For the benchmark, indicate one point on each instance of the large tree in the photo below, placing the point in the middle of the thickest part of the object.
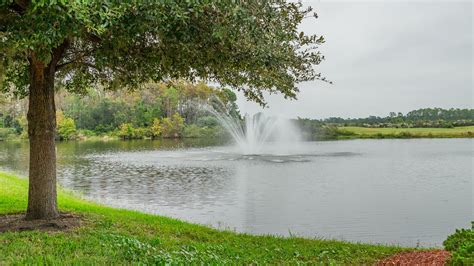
(253, 46)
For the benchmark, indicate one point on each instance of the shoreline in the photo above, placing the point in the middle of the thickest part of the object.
(156, 239)
(327, 133)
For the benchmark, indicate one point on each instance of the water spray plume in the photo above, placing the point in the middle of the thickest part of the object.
(258, 134)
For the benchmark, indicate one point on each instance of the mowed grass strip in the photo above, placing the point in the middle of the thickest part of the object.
(368, 132)
(114, 236)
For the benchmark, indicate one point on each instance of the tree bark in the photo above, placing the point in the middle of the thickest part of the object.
(42, 195)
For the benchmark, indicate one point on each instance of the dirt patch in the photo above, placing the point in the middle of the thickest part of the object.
(431, 258)
(17, 223)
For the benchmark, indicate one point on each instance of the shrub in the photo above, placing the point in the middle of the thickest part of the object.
(141, 133)
(207, 121)
(66, 127)
(173, 127)
(86, 133)
(405, 134)
(23, 129)
(341, 132)
(328, 132)
(156, 128)
(7, 133)
(126, 131)
(193, 131)
(461, 245)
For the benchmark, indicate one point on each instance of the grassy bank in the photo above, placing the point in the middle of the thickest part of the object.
(366, 132)
(111, 236)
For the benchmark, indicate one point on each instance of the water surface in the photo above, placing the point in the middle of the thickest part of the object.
(407, 192)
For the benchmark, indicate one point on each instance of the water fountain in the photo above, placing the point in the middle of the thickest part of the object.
(259, 134)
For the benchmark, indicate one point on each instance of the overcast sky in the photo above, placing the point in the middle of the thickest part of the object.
(385, 56)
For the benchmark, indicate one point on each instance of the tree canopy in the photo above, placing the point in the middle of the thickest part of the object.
(253, 46)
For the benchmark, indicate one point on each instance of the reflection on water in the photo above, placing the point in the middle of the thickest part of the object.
(405, 192)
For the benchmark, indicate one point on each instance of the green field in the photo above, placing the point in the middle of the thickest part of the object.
(366, 132)
(113, 236)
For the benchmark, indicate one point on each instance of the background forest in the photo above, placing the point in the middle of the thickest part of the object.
(178, 110)
(171, 110)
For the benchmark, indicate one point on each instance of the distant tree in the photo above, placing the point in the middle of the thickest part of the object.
(171, 100)
(126, 131)
(66, 127)
(207, 121)
(156, 128)
(248, 45)
(173, 127)
(178, 125)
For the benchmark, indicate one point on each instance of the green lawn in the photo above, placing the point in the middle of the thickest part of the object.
(366, 132)
(112, 236)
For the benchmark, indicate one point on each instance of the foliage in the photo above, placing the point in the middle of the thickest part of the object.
(66, 127)
(461, 245)
(101, 116)
(10, 121)
(115, 237)
(173, 127)
(253, 46)
(126, 131)
(207, 121)
(156, 128)
(24, 127)
(104, 112)
(195, 131)
(364, 132)
(84, 133)
(247, 45)
(7, 133)
(436, 121)
(425, 117)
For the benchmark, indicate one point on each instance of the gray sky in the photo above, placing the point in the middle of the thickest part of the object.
(385, 56)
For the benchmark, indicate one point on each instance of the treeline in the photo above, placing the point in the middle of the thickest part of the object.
(169, 110)
(177, 110)
(329, 128)
(425, 117)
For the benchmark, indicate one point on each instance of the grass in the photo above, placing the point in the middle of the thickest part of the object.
(114, 236)
(366, 132)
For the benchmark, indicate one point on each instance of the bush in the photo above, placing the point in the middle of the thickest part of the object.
(7, 133)
(207, 121)
(156, 128)
(126, 131)
(328, 132)
(173, 127)
(23, 129)
(66, 127)
(461, 245)
(193, 131)
(86, 133)
(405, 135)
(141, 133)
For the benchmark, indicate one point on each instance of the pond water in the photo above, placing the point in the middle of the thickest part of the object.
(406, 192)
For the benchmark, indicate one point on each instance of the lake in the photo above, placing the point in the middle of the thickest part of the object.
(410, 192)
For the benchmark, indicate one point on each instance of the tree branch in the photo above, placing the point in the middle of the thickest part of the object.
(60, 66)
(58, 52)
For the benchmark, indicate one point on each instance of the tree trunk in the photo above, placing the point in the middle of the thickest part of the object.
(42, 196)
